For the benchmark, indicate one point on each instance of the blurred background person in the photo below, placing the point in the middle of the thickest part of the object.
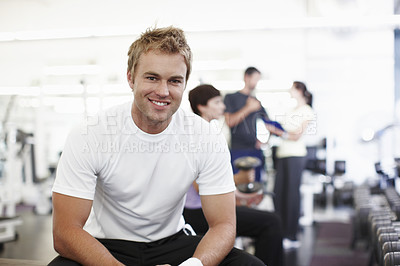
(263, 226)
(291, 161)
(241, 114)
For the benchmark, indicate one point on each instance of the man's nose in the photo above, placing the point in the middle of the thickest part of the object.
(162, 89)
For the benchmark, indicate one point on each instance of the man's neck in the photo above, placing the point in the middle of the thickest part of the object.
(147, 125)
(245, 90)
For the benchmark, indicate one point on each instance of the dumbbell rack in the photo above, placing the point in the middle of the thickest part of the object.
(376, 220)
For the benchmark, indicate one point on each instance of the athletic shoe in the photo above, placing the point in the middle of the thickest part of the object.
(290, 244)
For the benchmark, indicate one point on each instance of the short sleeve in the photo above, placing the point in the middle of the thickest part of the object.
(215, 174)
(76, 170)
(263, 114)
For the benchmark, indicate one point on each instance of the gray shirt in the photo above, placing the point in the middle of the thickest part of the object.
(243, 135)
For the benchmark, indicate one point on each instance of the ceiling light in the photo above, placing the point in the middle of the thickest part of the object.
(22, 91)
(72, 70)
(62, 89)
(389, 21)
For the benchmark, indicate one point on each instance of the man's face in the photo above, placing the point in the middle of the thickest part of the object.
(252, 80)
(158, 84)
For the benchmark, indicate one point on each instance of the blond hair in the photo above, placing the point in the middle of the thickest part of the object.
(169, 40)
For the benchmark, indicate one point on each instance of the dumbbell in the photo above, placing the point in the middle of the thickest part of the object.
(248, 163)
(382, 213)
(385, 238)
(392, 259)
(391, 193)
(362, 214)
(393, 199)
(379, 218)
(360, 221)
(380, 222)
(392, 246)
(385, 245)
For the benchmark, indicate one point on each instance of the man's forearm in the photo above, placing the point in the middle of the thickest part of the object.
(216, 244)
(77, 245)
(232, 119)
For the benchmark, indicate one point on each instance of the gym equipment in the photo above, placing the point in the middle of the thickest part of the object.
(389, 247)
(8, 191)
(18, 180)
(385, 238)
(247, 163)
(387, 166)
(32, 190)
(377, 221)
(392, 259)
(252, 193)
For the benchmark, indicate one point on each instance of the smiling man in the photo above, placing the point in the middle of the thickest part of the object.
(122, 204)
(157, 84)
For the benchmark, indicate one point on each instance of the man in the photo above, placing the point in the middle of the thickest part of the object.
(241, 114)
(119, 192)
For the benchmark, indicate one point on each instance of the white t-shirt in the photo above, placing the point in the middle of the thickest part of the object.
(138, 181)
(292, 122)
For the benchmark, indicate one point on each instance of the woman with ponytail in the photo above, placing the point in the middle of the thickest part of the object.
(291, 161)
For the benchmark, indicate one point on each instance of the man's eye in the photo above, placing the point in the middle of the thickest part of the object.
(151, 78)
(176, 81)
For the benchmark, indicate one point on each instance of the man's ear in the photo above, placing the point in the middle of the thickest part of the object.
(130, 79)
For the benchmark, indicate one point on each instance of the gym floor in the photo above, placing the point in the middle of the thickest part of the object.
(34, 241)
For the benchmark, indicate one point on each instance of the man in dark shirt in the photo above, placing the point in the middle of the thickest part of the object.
(241, 114)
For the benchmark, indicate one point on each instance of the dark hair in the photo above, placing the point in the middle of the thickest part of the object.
(251, 70)
(306, 93)
(200, 95)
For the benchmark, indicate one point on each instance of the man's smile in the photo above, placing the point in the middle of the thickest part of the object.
(159, 103)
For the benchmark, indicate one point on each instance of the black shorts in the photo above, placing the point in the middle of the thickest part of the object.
(170, 250)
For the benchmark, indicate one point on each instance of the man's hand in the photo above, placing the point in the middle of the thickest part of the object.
(248, 199)
(274, 130)
(252, 104)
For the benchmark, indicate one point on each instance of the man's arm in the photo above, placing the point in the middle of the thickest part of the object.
(70, 240)
(220, 213)
(252, 105)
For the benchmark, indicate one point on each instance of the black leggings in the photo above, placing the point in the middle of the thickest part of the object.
(172, 250)
(287, 193)
(263, 226)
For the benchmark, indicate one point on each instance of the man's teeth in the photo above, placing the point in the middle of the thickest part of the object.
(159, 103)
